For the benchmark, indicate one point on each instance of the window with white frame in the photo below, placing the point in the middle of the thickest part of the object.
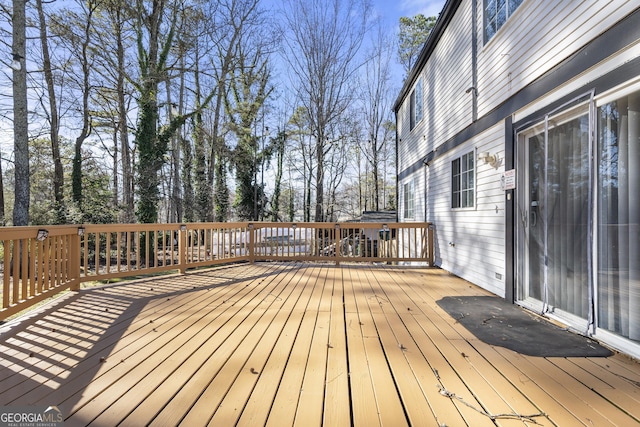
(415, 105)
(408, 197)
(463, 181)
(496, 13)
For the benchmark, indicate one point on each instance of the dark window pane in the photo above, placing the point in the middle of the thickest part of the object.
(513, 5)
(501, 16)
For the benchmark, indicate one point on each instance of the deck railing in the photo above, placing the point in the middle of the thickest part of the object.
(38, 262)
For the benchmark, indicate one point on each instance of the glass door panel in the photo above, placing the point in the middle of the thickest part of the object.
(568, 218)
(531, 230)
(553, 205)
(619, 216)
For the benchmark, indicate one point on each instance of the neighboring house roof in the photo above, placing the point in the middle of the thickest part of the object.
(449, 9)
(377, 216)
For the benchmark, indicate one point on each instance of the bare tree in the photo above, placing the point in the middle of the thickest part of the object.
(324, 39)
(85, 85)
(279, 147)
(128, 181)
(338, 161)
(301, 156)
(2, 213)
(376, 97)
(153, 142)
(249, 88)
(58, 175)
(235, 19)
(110, 70)
(193, 197)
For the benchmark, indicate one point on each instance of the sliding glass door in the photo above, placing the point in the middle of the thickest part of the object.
(554, 219)
(578, 217)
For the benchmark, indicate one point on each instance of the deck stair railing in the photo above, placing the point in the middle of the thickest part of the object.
(39, 262)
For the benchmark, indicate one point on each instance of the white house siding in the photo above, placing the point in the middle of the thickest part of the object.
(548, 56)
(602, 69)
(537, 37)
(445, 79)
(470, 242)
(447, 111)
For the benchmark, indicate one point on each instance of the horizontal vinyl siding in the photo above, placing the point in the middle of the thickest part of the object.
(542, 55)
(536, 38)
(448, 76)
(445, 78)
(470, 242)
(620, 58)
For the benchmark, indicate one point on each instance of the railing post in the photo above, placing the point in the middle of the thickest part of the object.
(75, 260)
(336, 239)
(252, 240)
(182, 249)
(431, 244)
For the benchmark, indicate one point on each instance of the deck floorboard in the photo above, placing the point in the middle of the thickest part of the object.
(295, 344)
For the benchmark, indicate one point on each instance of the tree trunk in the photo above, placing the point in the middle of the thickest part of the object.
(280, 142)
(58, 173)
(203, 192)
(319, 180)
(116, 181)
(151, 155)
(149, 164)
(307, 200)
(185, 212)
(376, 183)
(173, 214)
(2, 213)
(20, 118)
(217, 151)
(76, 173)
(222, 192)
(187, 187)
(125, 151)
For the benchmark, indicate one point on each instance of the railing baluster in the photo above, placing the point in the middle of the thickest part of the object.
(58, 277)
(128, 244)
(107, 251)
(32, 264)
(59, 260)
(6, 282)
(85, 245)
(47, 265)
(97, 253)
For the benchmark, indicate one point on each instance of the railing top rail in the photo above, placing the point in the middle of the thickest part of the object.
(342, 224)
(62, 229)
(28, 232)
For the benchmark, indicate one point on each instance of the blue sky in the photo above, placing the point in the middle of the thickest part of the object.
(392, 10)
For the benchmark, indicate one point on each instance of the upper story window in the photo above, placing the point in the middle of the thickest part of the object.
(496, 13)
(415, 105)
(463, 181)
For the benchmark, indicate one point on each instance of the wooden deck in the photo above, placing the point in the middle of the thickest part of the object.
(295, 344)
